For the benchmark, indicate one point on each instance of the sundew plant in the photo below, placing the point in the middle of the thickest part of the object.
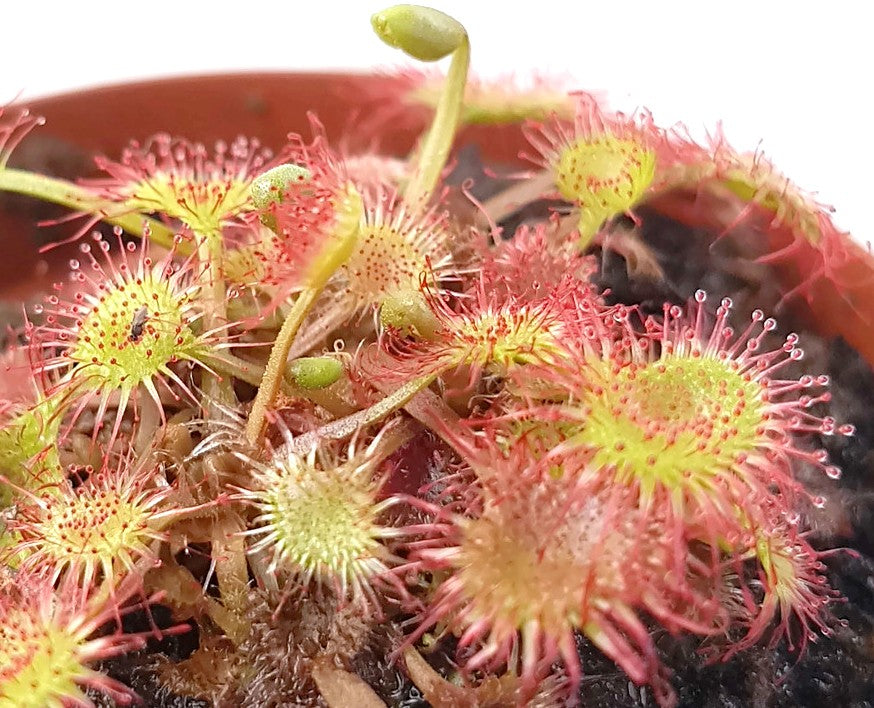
(319, 404)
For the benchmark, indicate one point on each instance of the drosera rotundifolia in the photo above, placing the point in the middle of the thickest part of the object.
(334, 420)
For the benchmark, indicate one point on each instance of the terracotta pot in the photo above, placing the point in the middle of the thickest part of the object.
(839, 301)
(830, 284)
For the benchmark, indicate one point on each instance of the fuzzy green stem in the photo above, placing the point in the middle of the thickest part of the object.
(218, 392)
(438, 141)
(344, 427)
(429, 409)
(276, 363)
(229, 552)
(58, 191)
(334, 253)
(247, 371)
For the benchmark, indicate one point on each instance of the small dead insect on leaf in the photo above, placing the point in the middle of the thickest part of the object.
(141, 316)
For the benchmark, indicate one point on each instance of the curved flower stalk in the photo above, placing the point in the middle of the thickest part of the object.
(319, 519)
(47, 642)
(125, 329)
(315, 219)
(604, 163)
(428, 35)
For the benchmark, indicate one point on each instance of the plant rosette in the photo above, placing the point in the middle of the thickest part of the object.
(378, 422)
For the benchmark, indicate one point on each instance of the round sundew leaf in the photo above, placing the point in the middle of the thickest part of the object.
(183, 180)
(47, 641)
(133, 333)
(98, 528)
(122, 333)
(319, 519)
(681, 421)
(605, 173)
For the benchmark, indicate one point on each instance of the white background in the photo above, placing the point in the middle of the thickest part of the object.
(796, 76)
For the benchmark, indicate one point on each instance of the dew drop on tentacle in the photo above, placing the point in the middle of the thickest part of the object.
(833, 472)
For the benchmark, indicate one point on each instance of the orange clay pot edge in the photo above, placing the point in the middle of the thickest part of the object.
(833, 284)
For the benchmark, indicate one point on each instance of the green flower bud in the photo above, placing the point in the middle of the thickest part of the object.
(422, 32)
(315, 372)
